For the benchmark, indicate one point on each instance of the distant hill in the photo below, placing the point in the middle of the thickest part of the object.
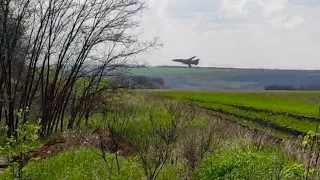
(139, 82)
(228, 78)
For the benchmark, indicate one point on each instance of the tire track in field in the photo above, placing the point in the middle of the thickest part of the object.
(252, 109)
(259, 121)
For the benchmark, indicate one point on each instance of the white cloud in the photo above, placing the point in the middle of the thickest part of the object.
(285, 22)
(270, 7)
(240, 33)
(295, 21)
(233, 8)
(158, 8)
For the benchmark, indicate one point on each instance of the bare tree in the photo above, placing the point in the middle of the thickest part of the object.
(199, 141)
(167, 126)
(66, 41)
(116, 114)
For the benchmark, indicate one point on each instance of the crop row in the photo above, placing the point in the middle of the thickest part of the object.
(279, 122)
(277, 103)
(252, 109)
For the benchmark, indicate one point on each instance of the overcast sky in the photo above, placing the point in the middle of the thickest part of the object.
(236, 33)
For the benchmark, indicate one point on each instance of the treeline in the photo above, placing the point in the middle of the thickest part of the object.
(287, 87)
(139, 82)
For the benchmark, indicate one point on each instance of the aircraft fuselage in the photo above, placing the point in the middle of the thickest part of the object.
(189, 61)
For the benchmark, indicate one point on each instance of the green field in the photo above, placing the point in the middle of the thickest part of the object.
(291, 113)
(182, 70)
(228, 78)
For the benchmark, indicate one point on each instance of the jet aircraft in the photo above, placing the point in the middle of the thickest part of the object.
(188, 61)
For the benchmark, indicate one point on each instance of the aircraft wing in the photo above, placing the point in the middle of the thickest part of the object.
(192, 57)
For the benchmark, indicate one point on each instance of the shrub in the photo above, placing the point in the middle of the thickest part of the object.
(247, 163)
(83, 163)
(17, 147)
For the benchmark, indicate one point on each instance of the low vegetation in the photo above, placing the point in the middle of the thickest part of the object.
(139, 136)
(249, 163)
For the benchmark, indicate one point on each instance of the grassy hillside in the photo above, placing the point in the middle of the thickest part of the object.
(159, 139)
(224, 78)
(290, 113)
(183, 70)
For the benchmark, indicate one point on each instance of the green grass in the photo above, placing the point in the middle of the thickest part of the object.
(234, 158)
(248, 163)
(84, 163)
(299, 103)
(280, 120)
(263, 107)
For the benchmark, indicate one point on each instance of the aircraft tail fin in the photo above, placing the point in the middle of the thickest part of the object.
(196, 62)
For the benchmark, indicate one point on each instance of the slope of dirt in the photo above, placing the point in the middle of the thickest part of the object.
(97, 139)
